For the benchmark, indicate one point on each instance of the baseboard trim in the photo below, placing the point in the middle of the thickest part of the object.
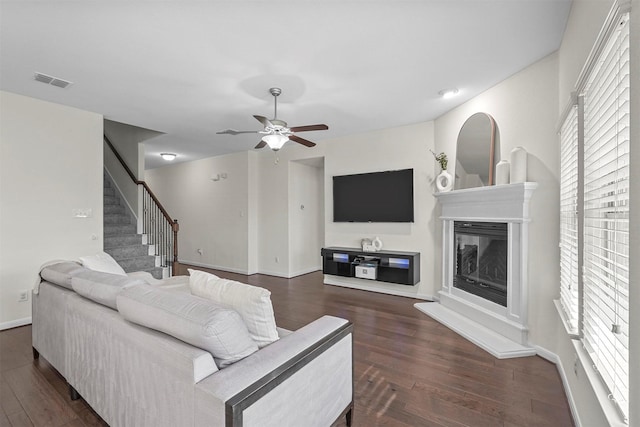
(305, 271)
(15, 323)
(553, 358)
(214, 267)
(249, 273)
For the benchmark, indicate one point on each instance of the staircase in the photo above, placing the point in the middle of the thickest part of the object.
(121, 241)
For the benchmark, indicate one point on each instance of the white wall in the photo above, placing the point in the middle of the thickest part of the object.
(214, 216)
(525, 110)
(278, 184)
(389, 149)
(127, 140)
(50, 164)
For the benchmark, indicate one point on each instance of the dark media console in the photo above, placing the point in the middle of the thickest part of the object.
(388, 266)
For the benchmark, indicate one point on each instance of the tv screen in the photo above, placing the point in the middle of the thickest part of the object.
(374, 197)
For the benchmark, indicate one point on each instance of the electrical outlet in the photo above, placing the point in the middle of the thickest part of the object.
(23, 296)
(277, 259)
(576, 361)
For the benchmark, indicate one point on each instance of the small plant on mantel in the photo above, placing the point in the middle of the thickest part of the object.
(442, 159)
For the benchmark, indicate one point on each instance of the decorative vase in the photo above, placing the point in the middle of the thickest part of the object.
(502, 172)
(377, 243)
(444, 181)
(518, 165)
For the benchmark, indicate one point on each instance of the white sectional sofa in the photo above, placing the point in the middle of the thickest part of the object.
(134, 375)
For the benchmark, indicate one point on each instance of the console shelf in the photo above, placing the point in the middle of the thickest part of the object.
(392, 266)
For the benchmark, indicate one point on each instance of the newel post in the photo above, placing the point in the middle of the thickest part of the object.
(175, 228)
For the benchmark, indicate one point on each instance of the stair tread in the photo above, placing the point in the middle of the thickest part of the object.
(121, 239)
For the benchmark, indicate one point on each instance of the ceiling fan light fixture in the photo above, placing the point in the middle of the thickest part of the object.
(168, 156)
(275, 141)
(448, 93)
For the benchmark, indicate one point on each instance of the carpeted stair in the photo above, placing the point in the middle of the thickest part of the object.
(120, 239)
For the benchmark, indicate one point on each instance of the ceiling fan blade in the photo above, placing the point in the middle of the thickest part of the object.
(302, 141)
(265, 122)
(308, 128)
(235, 132)
(260, 144)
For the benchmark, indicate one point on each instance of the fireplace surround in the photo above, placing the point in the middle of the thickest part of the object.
(495, 208)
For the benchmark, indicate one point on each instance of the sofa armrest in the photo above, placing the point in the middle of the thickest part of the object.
(308, 374)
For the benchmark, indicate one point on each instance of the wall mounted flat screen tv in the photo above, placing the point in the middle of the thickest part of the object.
(374, 197)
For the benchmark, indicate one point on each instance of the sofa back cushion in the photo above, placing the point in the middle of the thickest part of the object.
(102, 288)
(252, 302)
(61, 273)
(194, 320)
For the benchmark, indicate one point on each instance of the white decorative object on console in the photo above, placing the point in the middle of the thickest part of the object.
(518, 165)
(369, 245)
(506, 204)
(502, 172)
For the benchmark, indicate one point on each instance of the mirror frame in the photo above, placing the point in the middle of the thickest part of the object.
(492, 146)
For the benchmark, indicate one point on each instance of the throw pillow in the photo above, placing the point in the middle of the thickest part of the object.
(252, 302)
(102, 261)
(194, 320)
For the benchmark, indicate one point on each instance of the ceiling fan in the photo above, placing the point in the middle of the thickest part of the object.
(276, 132)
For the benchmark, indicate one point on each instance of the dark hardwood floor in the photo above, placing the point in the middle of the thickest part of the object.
(409, 369)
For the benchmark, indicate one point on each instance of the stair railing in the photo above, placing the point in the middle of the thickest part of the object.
(161, 230)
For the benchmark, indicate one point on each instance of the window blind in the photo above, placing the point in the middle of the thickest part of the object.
(569, 297)
(606, 215)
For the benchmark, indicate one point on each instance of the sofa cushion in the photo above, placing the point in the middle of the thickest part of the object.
(197, 321)
(101, 287)
(252, 302)
(61, 273)
(102, 261)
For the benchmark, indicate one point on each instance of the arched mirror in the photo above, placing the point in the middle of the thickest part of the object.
(477, 142)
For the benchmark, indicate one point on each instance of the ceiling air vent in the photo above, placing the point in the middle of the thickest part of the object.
(50, 80)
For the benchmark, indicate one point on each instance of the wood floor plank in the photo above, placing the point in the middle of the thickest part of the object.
(409, 370)
(8, 400)
(4, 421)
(38, 397)
(20, 420)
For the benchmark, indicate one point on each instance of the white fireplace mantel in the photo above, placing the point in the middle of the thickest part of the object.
(504, 204)
(498, 203)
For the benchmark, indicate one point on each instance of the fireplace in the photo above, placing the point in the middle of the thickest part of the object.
(481, 259)
(485, 242)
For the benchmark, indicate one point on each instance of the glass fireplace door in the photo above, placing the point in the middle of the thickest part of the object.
(481, 259)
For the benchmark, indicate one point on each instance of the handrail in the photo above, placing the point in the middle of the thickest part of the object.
(137, 181)
(173, 222)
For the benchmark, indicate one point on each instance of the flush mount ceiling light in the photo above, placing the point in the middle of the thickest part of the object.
(448, 93)
(168, 156)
